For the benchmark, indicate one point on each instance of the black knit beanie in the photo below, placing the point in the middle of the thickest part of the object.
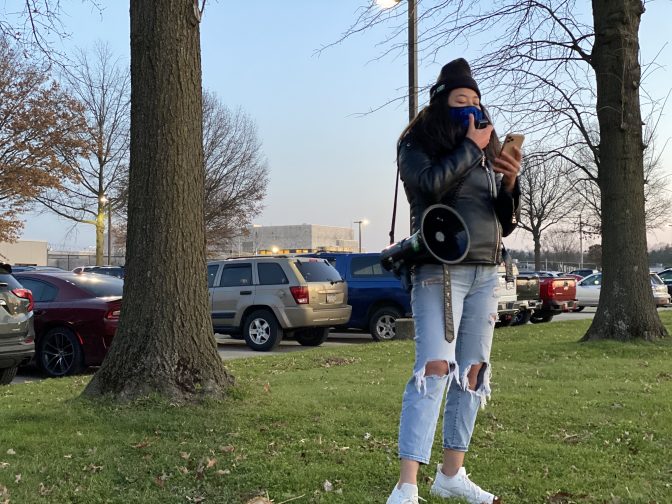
(455, 74)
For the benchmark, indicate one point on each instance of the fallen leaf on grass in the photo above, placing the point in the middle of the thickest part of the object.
(227, 449)
(267, 387)
(195, 498)
(3, 465)
(223, 472)
(17, 478)
(142, 444)
(44, 490)
(338, 361)
(93, 468)
(259, 500)
(161, 480)
(328, 486)
(210, 462)
(185, 455)
(11, 452)
(183, 470)
(68, 456)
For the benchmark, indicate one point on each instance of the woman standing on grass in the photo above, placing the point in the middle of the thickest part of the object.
(444, 158)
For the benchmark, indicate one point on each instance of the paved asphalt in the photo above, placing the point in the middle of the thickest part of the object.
(235, 348)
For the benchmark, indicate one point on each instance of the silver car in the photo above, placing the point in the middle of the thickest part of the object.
(588, 290)
(17, 334)
(264, 299)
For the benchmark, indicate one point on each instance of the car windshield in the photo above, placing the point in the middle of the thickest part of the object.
(99, 285)
(655, 279)
(318, 270)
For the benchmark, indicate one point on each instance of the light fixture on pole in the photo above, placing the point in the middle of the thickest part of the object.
(412, 52)
(359, 223)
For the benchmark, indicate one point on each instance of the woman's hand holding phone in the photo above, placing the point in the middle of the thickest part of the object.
(508, 161)
(480, 137)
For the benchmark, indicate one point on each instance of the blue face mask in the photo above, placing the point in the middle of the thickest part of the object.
(460, 115)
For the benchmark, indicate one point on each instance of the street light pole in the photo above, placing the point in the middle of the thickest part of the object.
(359, 223)
(580, 242)
(412, 52)
(109, 233)
(412, 59)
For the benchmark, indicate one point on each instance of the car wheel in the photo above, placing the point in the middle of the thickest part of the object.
(538, 319)
(7, 375)
(59, 353)
(313, 336)
(382, 324)
(522, 317)
(261, 331)
(504, 321)
(578, 309)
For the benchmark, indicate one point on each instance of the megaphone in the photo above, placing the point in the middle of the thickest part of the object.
(443, 235)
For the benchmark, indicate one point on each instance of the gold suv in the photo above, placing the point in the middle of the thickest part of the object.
(264, 299)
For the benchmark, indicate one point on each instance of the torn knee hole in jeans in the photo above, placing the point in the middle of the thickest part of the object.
(482, 387)
(421, 376)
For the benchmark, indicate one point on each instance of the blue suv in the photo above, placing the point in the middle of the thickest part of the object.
(376, 295)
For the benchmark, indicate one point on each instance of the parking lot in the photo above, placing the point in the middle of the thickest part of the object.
(236, 348)
(230, 348)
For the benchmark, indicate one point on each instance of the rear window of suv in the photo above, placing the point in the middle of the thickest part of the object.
(368, 266)
(9, 280)
(317, 270)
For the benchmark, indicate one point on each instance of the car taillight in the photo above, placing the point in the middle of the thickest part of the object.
(551, 290)
(25, 294)
(300, 294)
(113, 314)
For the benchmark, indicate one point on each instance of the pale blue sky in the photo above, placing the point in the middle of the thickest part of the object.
(328, 165)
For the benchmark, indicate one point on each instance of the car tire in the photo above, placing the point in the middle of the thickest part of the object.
(7, 375)
(59, 353)
(505, 321)
(538, 319)
(522, 317)
(313, 336)
(578, 309)
(261, 331)
(382, 323)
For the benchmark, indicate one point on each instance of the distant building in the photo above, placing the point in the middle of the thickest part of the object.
(24, 253)
(296, 239)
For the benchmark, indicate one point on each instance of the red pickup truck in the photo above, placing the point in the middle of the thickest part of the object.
(557, 294)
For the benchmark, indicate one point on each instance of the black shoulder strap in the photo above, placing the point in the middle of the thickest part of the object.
(394, 207)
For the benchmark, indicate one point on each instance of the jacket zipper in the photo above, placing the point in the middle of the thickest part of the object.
(492, 193)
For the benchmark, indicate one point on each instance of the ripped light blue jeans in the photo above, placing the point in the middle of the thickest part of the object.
(474, 306)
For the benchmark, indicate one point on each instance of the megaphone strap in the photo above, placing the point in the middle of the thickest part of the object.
(449, 326)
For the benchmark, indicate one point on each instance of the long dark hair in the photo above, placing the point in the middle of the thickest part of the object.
(438, 134)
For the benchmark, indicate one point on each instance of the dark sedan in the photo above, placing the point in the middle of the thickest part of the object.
(76, 317)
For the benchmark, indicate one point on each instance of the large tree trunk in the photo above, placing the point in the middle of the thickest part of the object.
(536, 237)
(626, 309)
(165, 342)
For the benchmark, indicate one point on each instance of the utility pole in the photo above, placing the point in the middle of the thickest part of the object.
(580, 242)
(412, 59)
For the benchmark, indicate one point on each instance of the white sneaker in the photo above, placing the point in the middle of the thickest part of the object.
(407, 494)
(461, 486)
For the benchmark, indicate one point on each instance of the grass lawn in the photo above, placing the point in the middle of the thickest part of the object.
(567, 423)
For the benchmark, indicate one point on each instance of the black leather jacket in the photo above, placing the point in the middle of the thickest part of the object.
(488, 212)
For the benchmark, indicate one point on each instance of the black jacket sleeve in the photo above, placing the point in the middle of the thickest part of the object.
(435, 177)
(507, 208)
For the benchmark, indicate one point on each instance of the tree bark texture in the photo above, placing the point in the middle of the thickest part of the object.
(536, 237)
(165, 342)
(626, 310)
